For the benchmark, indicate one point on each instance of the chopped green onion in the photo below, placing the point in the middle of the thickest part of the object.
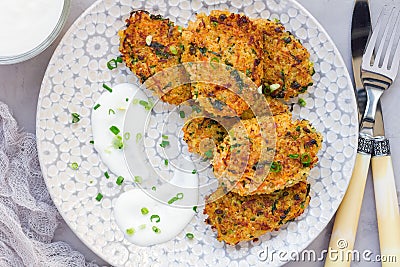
(146, 105)
(248, 72)
(164, 136)
(118, 142)
(97, 106)
(194, 171)
(138, 179)
(260, 90)
(305, 159)
(196, 108)
(111, 111)
(166, 162)
(149, 38)
(127, 136)
(130, 231)
(180, 28)
(175, 198)
(75, 117)
(108, 88)
(135, 101)
(156, 229)
(182, 114)
(138, 137)
(99, 197)
(153, 188)
(172, 200)
(120, 180)
(144, 211)
(126, 99)
(155, 217)
(208, 154)
(91, 142)
(276, 167)
(114, 130)
(298, 128)
(195, 209)
(294, 156)
(142, 226)
(106, 175)
(173, 50)
(74, 166)
(214, 59)
(143, 103)
(302, 102)
(274, 87)
(164, 143)
(189, 235)
(113, 63)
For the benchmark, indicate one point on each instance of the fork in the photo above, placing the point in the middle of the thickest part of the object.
(379, 68)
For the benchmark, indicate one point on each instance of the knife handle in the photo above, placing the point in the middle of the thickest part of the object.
(346, 221)
(387, 205)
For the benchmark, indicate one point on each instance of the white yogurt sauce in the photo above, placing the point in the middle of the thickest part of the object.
(127, 208)
(103, 118)
(173, 217)
(26, 24)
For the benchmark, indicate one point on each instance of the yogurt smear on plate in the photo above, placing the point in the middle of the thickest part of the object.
(146, 216)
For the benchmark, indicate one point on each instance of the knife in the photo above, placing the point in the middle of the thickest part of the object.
(347, 216)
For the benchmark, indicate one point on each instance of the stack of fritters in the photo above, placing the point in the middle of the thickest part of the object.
(235, 69)
(256, 160)
(259, 50)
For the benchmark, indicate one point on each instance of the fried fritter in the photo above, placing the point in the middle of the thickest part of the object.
(230, 39)
(240, 218)
(286, 61)
(203, 135)
(151, 44)
(245, 164)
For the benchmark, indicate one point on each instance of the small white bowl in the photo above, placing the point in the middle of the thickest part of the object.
(5, 60)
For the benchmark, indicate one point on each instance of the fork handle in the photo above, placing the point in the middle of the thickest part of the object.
(387, 206)
(346, 221)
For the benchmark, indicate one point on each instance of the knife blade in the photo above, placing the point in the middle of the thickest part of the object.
(347, 216)
(360, 31)
(379, 129)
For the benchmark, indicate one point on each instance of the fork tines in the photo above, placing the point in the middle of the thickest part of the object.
(382, 53)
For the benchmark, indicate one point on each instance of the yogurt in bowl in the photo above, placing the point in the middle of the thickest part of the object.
(29, 27)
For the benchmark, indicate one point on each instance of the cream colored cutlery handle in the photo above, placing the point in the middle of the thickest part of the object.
(387, 208)
(346, 221)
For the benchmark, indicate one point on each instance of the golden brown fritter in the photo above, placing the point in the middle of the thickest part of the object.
(275, 107)
(286, 61)
(240, 218)
(203, 135)
(229, 39)
(151, 44)
(253, 165)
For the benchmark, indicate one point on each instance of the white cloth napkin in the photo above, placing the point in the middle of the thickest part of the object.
(28, 217)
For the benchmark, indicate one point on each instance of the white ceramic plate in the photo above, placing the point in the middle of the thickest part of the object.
(73, 83)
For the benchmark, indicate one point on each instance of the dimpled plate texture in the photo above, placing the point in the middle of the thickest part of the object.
(73, 83)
